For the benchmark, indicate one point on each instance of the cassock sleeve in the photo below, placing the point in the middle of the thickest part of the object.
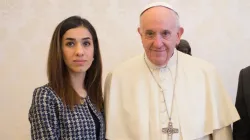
(106, 100)
(241, 128)
(224, 133)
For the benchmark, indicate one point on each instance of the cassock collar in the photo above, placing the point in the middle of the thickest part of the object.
(172, 61)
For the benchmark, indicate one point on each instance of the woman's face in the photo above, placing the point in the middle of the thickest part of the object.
(78, 49)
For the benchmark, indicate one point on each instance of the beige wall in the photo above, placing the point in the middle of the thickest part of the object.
(217, 31)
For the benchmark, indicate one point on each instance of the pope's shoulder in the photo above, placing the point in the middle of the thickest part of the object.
(193, 62)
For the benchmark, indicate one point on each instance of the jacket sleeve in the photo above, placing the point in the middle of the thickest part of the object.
(241, 128)
(42, 115)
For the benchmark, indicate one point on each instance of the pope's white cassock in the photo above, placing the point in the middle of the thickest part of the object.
(135, 107)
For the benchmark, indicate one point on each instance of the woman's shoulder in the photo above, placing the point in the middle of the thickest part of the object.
(45, 95)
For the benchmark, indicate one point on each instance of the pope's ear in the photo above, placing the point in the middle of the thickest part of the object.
(180, 32)
(139, 31)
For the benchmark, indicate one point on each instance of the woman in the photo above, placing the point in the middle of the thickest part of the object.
(70, 106)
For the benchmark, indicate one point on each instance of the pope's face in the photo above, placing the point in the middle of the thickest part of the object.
(160, 34)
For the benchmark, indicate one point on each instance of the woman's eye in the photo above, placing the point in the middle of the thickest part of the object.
(70, 44)
(86, 43)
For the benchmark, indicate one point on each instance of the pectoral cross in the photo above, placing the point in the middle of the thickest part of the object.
(170, 130)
